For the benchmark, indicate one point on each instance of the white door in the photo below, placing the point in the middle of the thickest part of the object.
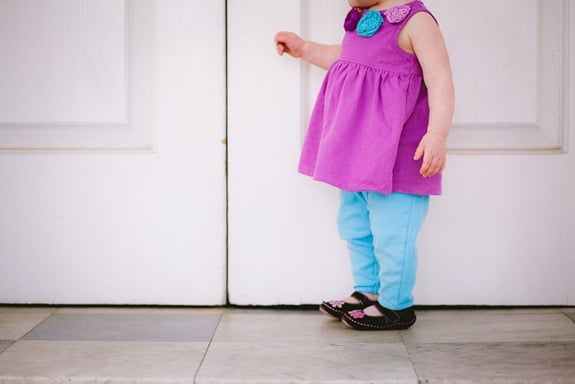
(502, 234)
(112, 165)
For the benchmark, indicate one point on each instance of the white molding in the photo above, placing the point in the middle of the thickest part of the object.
(134, 133)
(567, 63)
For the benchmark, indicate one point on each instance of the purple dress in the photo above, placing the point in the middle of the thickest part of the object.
(372, 111)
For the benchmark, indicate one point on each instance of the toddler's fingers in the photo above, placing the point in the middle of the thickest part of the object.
(437, 165)
(418, 153)
(430, 165)
(425, 168)
(280, 42)
(281, 48)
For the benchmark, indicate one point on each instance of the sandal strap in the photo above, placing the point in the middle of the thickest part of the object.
(389, 314)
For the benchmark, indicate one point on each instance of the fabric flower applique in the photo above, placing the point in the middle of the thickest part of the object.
(352, 19)
(369, 23)
(397, 14)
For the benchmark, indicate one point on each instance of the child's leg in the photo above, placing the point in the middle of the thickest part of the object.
(355, 227)
(395, 223)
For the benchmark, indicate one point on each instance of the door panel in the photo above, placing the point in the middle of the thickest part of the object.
(280, 225)
(83, 77)
(502, 234)
(113, 177)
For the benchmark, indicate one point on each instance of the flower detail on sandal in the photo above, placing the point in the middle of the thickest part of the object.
(338, 308)
(337, 303)
(357, 314)
(369, 23)
(397, 14)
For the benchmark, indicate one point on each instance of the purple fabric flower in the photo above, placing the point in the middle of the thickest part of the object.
(369, 24)
(397, 14)
(357, 314)
(352, 19)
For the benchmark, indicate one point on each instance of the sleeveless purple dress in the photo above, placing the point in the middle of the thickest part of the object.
(371, 112)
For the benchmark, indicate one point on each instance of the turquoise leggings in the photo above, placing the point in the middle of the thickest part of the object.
(381, 232)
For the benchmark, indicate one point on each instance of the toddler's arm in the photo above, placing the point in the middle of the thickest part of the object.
(322, 55)
(428, 45)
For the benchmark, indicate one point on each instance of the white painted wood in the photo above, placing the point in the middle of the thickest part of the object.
(117, 226)
(64, 74)
(502, 234)
(282, 243)
(570, 184)
(511, 79)
(77, 74)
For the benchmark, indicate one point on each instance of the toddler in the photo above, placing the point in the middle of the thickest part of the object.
(378, 133)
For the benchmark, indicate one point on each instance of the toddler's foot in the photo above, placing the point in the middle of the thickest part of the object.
(357, 301)
(377, 317)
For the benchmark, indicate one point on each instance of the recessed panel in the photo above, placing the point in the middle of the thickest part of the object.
(63, 61)
(495, 67)
(77, 75)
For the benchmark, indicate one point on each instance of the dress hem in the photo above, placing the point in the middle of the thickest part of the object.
(398, 187)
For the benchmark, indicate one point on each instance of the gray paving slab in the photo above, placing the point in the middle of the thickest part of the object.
(182, 327)
(494, 362)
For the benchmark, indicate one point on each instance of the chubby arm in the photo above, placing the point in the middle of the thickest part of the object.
(426, 41)
(321, 55)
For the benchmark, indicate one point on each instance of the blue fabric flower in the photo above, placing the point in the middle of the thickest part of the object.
(370, 23)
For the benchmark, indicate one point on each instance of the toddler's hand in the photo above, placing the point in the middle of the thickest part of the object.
(433, 149)
(290, 43)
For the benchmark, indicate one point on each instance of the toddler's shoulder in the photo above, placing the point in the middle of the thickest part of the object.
(421, 24)
(422, 19)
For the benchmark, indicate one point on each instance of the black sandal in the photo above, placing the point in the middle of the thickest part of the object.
(337, 308)
(391, 320)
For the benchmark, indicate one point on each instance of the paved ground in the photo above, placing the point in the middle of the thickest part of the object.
(222, 345)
